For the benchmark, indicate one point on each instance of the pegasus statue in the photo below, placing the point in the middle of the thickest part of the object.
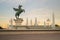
(18, 10)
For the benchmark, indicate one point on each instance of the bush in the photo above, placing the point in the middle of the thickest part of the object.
(56, 25)
(1, 27)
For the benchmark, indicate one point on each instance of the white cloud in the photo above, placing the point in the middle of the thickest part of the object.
(42, 12)
(13, 1)
(2, 1)
(3, 17)
(42, 1)
(20, 1)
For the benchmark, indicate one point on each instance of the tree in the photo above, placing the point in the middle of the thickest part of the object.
(56, 25)
(1, 27)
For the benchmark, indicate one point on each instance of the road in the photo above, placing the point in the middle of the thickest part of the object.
(30, 35)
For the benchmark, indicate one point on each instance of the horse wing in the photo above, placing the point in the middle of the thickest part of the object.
(15, 9)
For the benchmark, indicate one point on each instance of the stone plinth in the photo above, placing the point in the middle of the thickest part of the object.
(18, 21)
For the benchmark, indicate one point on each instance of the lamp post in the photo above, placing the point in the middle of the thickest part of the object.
(53, 21)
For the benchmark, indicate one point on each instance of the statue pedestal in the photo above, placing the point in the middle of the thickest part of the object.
(18, 21)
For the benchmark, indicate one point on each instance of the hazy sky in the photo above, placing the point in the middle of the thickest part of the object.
(42, 9)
